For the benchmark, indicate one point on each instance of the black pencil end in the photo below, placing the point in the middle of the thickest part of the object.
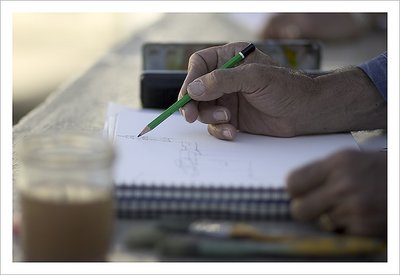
(249, 49)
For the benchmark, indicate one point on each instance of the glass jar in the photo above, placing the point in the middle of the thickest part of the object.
(65, 191)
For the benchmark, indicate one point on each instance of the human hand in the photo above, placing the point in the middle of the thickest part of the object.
(260, 97)
(348, 190)
(256, 97)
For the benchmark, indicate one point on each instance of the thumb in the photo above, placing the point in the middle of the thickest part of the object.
(225, 81)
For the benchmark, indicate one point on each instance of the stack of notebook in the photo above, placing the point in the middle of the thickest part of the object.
(179, 169)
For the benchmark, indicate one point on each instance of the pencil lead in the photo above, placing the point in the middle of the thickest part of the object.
(145, 130)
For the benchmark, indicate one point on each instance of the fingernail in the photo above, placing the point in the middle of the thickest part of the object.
(296, 209)
(220, 115)
(196, 88)
(295, 205)
(227, 134)
(182, 112)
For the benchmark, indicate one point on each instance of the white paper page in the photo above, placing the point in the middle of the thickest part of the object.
(113, 111)
(179, 153)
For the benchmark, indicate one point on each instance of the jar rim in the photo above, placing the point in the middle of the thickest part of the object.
(63, 150)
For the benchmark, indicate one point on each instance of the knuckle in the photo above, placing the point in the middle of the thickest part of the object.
(299, 209)
(197, 63)
(193, 60)
(210, 81)
(212, 77)
(341, 188)
(235, 47)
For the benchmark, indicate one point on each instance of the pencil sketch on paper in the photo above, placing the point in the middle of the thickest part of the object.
(190, 160)
(147, 138)
(185, 155)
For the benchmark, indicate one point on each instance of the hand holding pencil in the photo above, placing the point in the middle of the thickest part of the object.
(256, 97)
(186, 98)
(260, 97)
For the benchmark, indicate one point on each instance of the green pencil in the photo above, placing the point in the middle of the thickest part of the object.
(186, 98)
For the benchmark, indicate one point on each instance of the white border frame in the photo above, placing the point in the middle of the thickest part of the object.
(10, 7)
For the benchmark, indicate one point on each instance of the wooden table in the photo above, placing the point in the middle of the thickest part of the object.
(81, 103)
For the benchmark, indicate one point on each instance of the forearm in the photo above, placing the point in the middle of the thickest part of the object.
(345, 100)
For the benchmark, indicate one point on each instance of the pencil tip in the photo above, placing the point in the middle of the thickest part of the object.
(145, 130)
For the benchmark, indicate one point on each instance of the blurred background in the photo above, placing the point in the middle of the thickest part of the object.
(51, 49)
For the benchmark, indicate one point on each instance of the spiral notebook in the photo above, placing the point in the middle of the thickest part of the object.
(179, 169)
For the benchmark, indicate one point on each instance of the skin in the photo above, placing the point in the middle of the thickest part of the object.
(349, 185)
(260, 97)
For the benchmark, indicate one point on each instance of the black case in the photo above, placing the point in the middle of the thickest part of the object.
(161, 78)
(159, 89)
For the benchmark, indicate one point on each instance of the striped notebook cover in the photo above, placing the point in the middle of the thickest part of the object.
(152, 201)
(179, 169)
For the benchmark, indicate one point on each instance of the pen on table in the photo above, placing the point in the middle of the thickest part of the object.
(253, 240)
(178, 245)
(175, 237)
(186, 98)
(223, 229)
